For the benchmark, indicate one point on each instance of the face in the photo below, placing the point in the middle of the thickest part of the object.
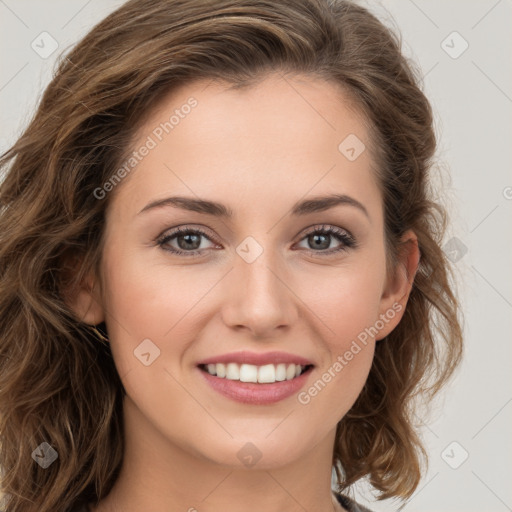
(283, 272)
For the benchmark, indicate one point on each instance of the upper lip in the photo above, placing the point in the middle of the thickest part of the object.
(257, 359)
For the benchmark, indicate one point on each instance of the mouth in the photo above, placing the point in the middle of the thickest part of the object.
(254, 378)
(264, 374)
(255, 385)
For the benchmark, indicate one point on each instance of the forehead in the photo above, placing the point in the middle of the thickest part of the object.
(283, 136)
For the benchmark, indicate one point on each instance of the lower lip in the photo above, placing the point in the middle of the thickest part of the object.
(256, 394)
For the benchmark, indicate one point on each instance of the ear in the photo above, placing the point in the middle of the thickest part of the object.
(399, 285)
(83, 298)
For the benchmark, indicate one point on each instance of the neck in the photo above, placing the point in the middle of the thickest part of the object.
(158, 474)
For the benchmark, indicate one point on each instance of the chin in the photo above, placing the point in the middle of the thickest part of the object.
(256, 453)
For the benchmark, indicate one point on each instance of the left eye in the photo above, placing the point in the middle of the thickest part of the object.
(321, 238)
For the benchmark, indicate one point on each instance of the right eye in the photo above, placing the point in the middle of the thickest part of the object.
(186, 238)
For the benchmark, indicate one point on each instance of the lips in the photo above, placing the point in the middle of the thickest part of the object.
(257, 359)
(255, 393)
(256, 378)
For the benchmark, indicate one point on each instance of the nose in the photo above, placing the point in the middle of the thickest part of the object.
(259, 298)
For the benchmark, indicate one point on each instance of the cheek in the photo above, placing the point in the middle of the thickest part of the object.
(352, 306)
(148, 301)
(347, 299)
(348, 305)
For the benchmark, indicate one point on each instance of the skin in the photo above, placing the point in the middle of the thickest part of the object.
(258, 151)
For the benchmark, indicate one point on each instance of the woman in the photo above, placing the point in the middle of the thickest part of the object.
(221, 273)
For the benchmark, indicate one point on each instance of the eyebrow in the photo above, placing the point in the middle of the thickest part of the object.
(305, 207)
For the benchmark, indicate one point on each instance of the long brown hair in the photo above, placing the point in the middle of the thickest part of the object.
(58, 383)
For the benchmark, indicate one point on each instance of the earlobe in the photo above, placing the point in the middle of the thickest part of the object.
(399, 285)
(87, 306)
(85, 299)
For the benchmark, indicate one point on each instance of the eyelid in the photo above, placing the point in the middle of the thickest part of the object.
(326, 227)
(186, 228)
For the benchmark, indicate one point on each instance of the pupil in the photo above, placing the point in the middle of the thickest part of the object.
(316, 238)
(188, 241)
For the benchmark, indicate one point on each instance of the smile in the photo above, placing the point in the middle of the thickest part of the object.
(261, 385)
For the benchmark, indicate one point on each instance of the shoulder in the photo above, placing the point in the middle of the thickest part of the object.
(350, 504)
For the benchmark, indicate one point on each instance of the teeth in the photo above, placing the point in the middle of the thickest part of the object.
(250, 373)
(267, 373)
(281, 372)
(232, 371)
(219, 369)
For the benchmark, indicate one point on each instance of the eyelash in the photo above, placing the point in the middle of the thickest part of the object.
(341, 235)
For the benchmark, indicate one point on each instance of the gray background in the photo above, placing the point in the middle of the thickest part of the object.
(471, 92)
